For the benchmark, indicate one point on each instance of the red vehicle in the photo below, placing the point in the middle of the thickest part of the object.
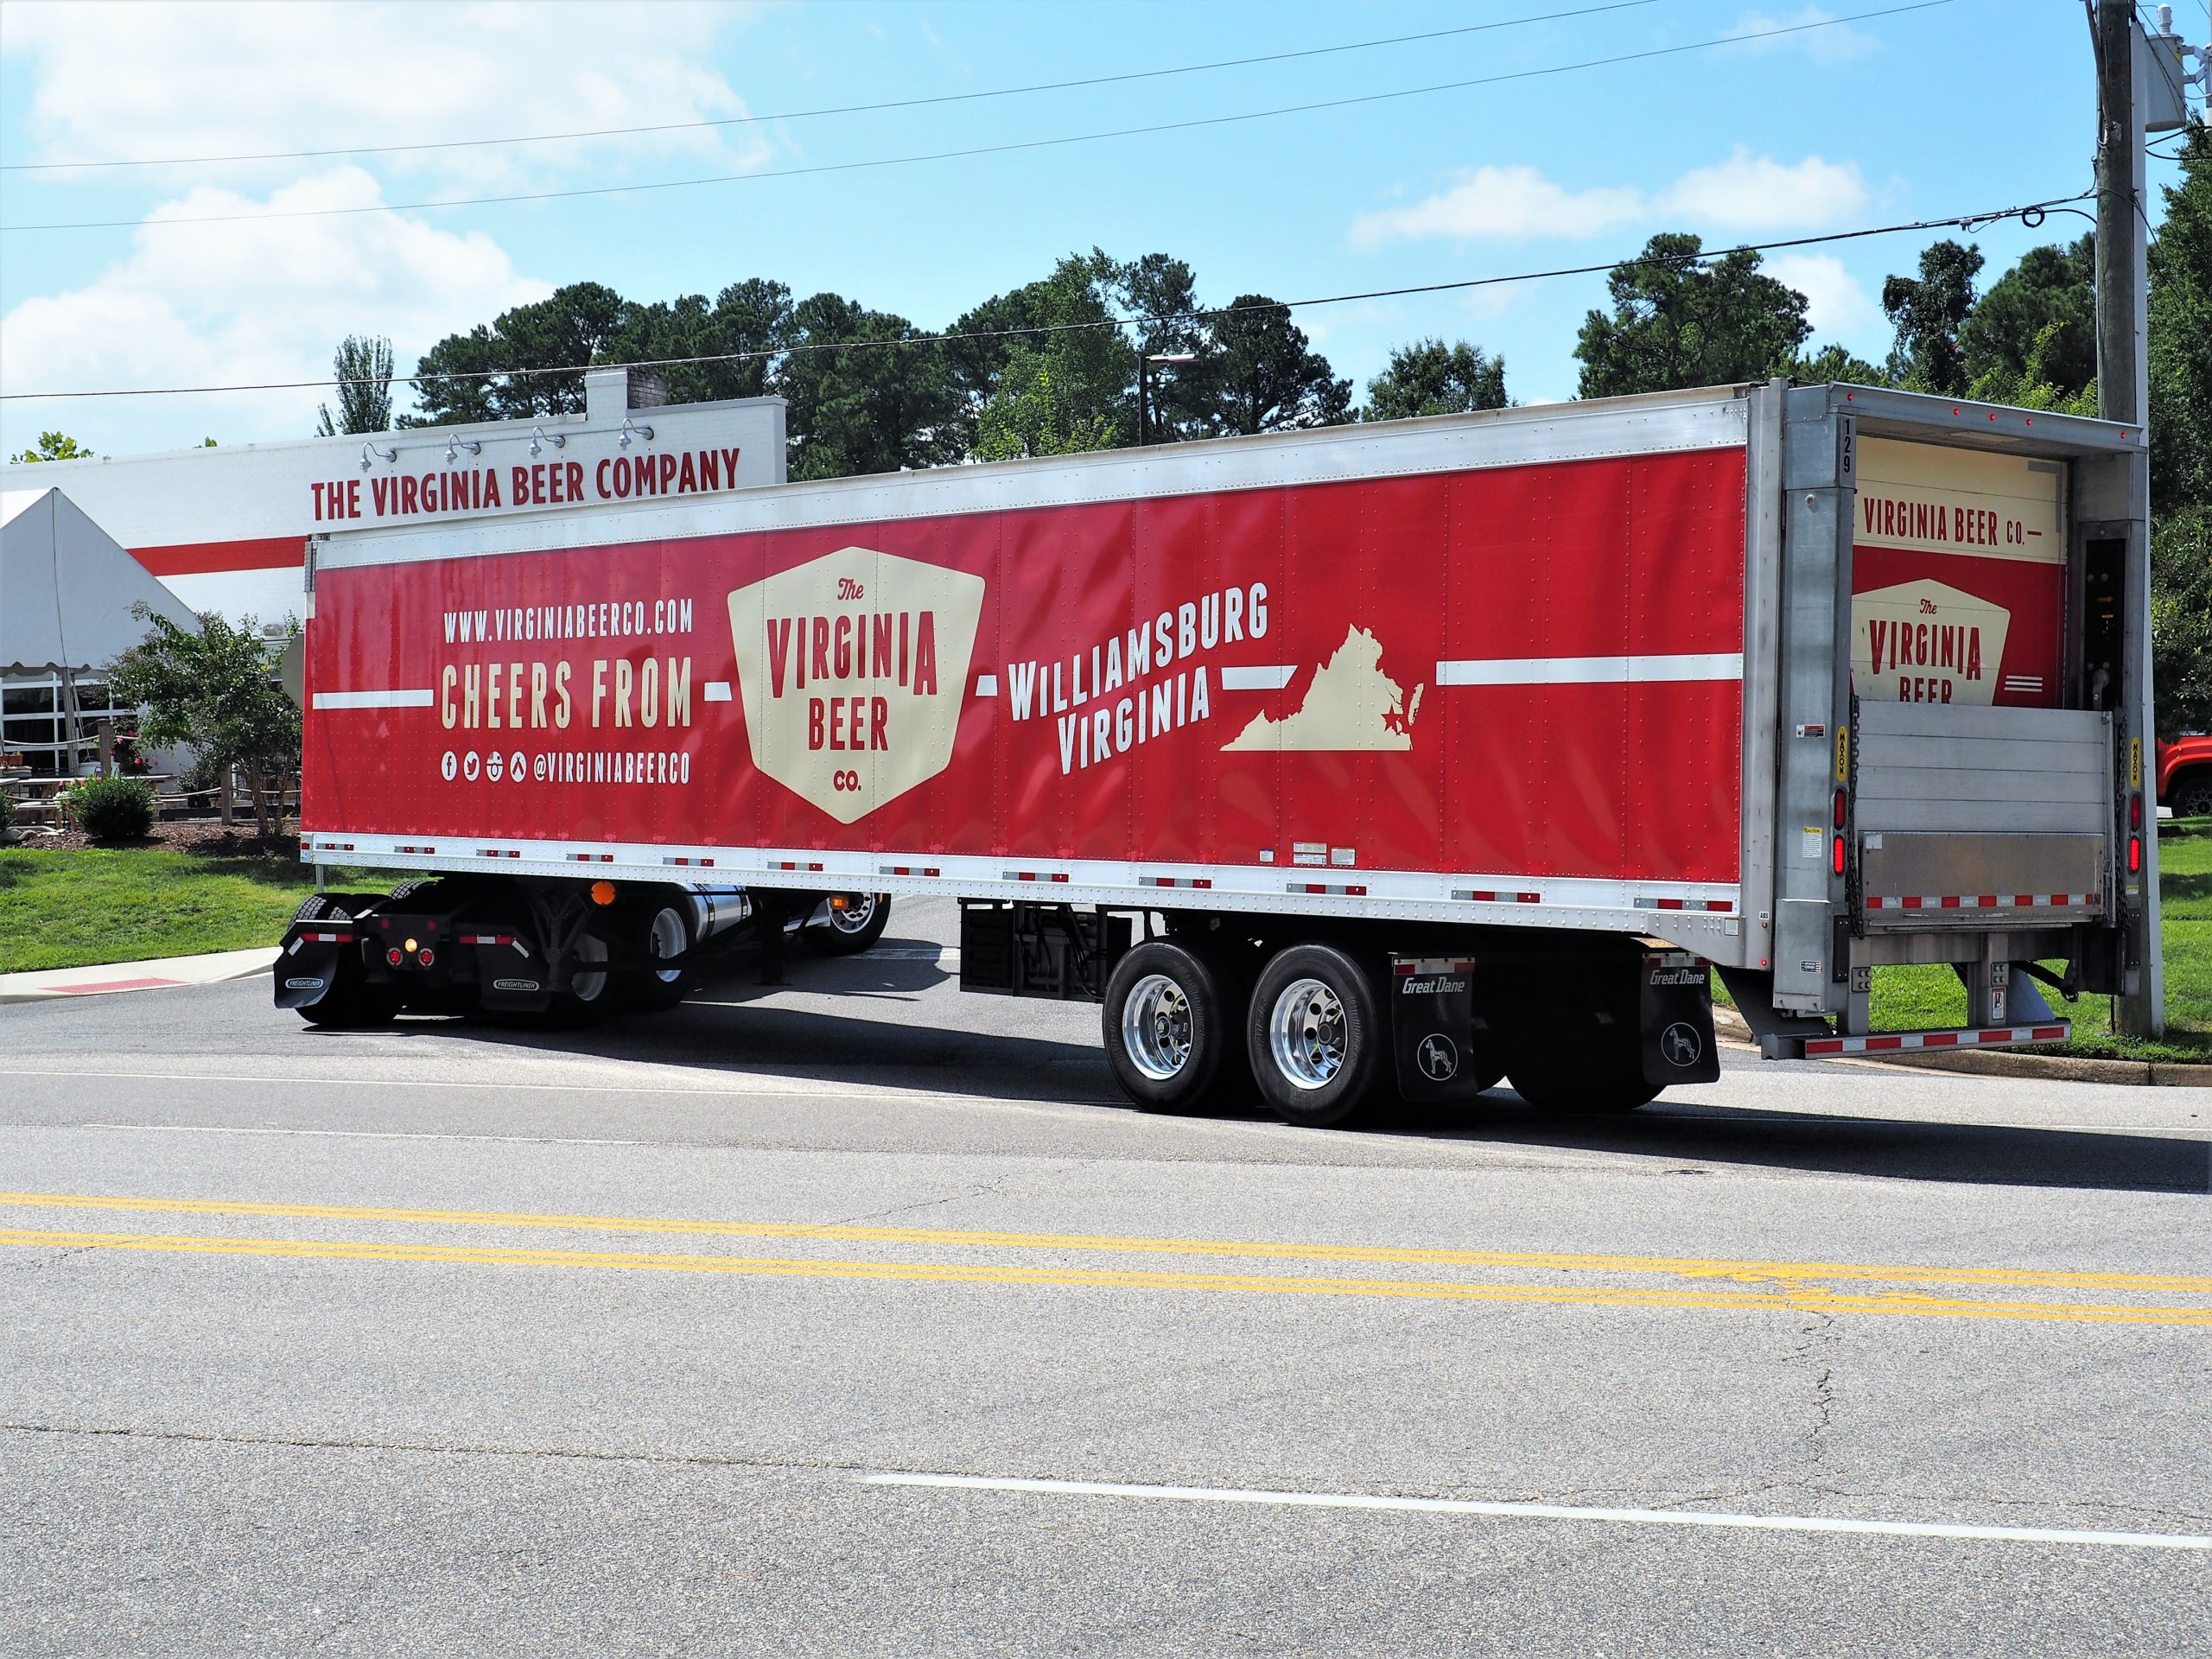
(1394, 756)
(2185, 776)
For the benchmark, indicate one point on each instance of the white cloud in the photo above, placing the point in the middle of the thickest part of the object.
(1749, 191)
(257, 300)
(1508, 203)
(1759, 32)
(1837, 307)
(1519, 204)
(128, 82)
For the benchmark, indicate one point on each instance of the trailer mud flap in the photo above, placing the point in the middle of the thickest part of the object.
(1442, 1053)
(1675, 1019)
(309, 961)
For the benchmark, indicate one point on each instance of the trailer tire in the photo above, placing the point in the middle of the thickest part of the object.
(1314, 1033)
(847, 932)
(351, 1003)
(1169, 1021)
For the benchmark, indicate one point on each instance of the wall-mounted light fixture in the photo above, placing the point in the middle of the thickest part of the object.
(631, 428)
(539, 438)
(474, 447)
(371, 454)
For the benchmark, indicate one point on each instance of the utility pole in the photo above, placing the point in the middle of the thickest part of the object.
(2139, 88)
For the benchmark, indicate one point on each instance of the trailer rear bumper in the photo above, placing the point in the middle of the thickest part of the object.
(1791, 1046)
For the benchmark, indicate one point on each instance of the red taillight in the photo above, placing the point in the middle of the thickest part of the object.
(1842, 801)
(1835, 855)
(2135, 811)
(2135, 855)
(426, 956)
(395, 956)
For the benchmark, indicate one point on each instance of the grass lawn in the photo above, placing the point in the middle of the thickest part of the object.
(74, 908)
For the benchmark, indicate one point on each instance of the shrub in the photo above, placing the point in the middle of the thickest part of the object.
(112, 809)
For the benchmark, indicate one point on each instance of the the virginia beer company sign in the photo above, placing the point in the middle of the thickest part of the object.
(585, 470)
(1996, 526)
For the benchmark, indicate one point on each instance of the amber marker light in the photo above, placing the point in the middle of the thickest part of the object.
(602, 892)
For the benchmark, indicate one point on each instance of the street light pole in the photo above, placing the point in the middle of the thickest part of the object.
(1144, 384)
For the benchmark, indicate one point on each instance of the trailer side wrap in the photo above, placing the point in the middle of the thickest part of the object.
(1508, 686)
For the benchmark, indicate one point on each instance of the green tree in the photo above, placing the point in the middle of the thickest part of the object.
(2036, 382)
(1429, 378)
(1068, 386)
(53, 446)
(217, 690)
(362, 367)
(1928, 312)
(1262, 374)
(1831, 363)
(882, 407)
(2179, 322)
(2045, 307)
(1163, 290)
(568, 328)
(1678, 320)
(749, 323)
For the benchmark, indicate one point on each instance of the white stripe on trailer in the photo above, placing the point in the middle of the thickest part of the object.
(421, 699)
(717, 691)
(1272, 676)
(1897, 1041)
(987, 685)
(1591, 671)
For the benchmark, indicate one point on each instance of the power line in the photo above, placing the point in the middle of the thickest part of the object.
(979, 149)
(843, 108)
(2030, 214)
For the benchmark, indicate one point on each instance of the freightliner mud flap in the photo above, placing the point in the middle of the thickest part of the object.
(310, 959)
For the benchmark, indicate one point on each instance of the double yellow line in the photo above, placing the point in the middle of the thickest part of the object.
(1767, 1285)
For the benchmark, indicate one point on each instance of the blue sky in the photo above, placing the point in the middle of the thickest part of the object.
(1969, 106)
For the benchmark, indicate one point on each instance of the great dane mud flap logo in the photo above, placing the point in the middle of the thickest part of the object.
(853, 667)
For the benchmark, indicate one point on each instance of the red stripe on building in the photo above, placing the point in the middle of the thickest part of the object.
(195, 558)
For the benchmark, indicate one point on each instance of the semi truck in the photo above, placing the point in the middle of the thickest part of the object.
(1385, 758)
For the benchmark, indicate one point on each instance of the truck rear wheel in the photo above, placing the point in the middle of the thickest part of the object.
(351, 1003)
(663, 929)
(589, 992)
(1170, 1025)
(1315, 1035)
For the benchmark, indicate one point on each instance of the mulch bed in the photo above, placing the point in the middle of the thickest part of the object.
(203, 840)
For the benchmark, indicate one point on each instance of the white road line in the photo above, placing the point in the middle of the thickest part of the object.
(1554, 1511)
(738, 1088)
(1590, 671)
(1269, 677)
(421, 699)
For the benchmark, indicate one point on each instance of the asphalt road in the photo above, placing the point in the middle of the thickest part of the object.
(450, 1340)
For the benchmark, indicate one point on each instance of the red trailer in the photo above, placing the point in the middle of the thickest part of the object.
(1396, 755)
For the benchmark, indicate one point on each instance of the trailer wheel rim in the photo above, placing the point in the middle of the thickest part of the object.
(1307, 1034)
(664, 939)
(859, 911)
(588, 983)
(1156, 1027)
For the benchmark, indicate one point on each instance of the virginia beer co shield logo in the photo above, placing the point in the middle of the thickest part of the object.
(853, 667)
(1926, 642)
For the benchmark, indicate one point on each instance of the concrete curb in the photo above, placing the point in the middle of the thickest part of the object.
(162, 974)
(1996, 1062)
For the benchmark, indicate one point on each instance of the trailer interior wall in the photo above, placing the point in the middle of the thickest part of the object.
(1482, 669)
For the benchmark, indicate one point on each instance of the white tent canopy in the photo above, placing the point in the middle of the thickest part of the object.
(67, 589)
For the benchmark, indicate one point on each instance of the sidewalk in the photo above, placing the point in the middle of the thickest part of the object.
(162, 974)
